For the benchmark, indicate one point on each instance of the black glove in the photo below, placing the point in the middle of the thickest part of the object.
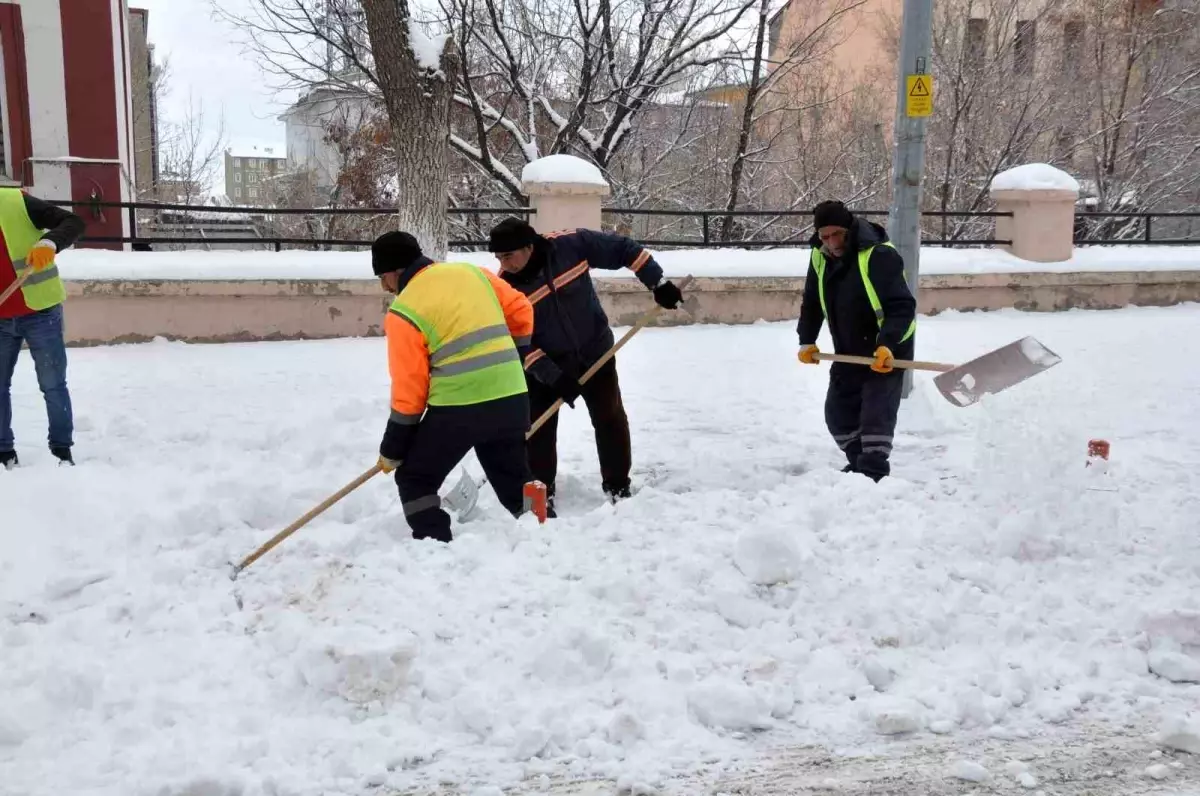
(668, 296)
(568, 388)
(397, 439)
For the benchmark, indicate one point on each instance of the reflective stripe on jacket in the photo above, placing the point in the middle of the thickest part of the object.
(452, 334)
(864, 269)
(42, 289)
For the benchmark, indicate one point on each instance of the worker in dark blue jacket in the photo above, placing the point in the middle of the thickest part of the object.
(856, 282)
(571, 333)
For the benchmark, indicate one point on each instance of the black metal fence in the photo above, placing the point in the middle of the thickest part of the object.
(1174, 228)
(219, 227)
(799, 234)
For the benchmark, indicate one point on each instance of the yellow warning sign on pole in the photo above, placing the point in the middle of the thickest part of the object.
(918, 98)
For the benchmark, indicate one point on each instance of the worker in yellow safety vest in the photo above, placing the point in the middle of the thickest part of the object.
(856, 282)
(456, 335)
(32, 314)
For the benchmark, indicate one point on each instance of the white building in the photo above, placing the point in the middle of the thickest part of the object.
(307, 125)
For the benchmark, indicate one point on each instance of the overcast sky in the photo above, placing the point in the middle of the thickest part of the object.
(207, 62)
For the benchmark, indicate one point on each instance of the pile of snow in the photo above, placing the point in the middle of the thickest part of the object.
(1033, 177)
(562, 168)
(748, 597)
(84, 264)
(1174, 641)
(969, 771)
(1182, 733)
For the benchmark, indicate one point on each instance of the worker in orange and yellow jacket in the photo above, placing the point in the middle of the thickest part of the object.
(456, 335)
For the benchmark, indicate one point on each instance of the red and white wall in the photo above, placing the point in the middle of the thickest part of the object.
(67, 108)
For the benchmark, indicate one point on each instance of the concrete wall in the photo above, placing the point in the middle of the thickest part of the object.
(228, 311)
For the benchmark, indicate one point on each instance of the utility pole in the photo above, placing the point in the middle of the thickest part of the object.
(914, 104)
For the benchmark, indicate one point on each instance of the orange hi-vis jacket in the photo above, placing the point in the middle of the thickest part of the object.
(452, 336)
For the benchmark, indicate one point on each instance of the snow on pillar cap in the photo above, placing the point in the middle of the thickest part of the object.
(564, 170)
(1034, 177)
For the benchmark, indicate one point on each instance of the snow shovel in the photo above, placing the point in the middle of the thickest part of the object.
(305, 520)
(642, 322)
(965, 384)
(463, 496)
(461, 499)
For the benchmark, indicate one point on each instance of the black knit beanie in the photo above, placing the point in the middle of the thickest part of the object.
(511, 234)
(832, 213)
(393, 251)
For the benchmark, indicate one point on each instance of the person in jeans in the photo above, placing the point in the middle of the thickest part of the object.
(571, 333)
(34, 232)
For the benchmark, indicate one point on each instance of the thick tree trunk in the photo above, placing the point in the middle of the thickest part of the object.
(417, 98)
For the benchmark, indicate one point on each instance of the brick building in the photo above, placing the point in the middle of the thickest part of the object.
(66, 127)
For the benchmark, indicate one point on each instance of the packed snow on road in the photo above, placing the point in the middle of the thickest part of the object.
(748, 601)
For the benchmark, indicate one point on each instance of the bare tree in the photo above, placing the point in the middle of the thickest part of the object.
(777, 92)
(1131, 112)
(416, 76)
(537, 78)
(190, 153)
(994, 110)
(1108, 90)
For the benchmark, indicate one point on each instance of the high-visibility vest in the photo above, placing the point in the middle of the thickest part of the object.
(43, 289)
(472, 356)
(864, 268)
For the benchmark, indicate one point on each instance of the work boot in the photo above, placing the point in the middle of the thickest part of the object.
(8, 460)
(551, 514)
(63, 455)
(849, 468)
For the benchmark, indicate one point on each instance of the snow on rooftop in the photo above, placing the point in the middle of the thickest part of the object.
(562, 168)
(1034, 176)
(248, 149)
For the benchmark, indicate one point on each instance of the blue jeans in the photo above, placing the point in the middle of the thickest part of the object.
(43, 331)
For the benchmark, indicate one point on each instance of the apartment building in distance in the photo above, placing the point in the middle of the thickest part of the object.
(250, 171)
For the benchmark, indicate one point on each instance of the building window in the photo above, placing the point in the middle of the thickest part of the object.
(237, 193)
(1072, 50)
(975, 44)
(253, 177)
(1023, 47)
(237, 162)
(237, 177)
(253, 193)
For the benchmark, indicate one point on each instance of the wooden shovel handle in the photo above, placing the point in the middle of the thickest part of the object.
(15, 286)
(306, 519)
(940, 367)
(647, 316)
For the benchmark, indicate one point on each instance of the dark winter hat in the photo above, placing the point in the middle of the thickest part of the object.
(832, 213)
(393, 251)
(511, 234)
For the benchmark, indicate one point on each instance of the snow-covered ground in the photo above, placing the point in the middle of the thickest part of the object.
(103, 265)
(751, 621)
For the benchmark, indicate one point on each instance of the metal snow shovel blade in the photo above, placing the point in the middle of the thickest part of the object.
(463, 496)
(995, 371)
(963, 385)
